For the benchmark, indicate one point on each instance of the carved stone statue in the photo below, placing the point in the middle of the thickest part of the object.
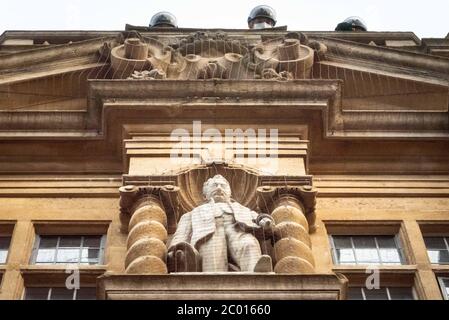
(220, 234)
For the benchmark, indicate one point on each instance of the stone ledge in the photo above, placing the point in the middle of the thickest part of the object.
(222, 286)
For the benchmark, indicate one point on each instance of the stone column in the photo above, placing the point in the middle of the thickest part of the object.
(147, 232)
(292, 248)
(292, 251)
(147, 252)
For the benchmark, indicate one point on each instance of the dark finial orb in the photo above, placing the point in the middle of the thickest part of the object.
(262, 17)
(163, 20)
(353, 23)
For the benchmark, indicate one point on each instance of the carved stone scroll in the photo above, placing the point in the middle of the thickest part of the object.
(214, 56)
(139, 55)
(287, 55)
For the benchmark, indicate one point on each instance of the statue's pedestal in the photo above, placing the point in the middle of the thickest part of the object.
(222, 286)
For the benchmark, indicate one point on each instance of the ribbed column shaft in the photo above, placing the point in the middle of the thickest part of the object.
(292, 249)
(147, 252)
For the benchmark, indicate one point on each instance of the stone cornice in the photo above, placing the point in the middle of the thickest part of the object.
(9, 62)
(146, 97)
(94, 186)
(59, 37)
(387, 58)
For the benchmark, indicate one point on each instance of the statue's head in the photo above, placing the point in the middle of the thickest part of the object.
(218, 189)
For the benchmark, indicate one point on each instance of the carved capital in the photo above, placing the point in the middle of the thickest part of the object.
(303, 197)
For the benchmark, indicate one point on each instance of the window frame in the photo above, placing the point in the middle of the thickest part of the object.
(397, 241)
(443, 287)
(49, 292)
(102, 249)
(8, 249)
(387, 288)
(446, 242)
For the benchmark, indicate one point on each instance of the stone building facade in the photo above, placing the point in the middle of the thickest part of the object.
(106, 139)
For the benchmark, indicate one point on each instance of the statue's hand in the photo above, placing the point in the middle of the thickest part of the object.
(183, 257)
(180, 246)
(266, 222)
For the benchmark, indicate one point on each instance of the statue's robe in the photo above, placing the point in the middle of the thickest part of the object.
(199, 224)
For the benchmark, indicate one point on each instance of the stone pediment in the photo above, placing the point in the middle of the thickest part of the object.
(349, 50)
(337, 85)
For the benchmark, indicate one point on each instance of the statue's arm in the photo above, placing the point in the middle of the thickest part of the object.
(183, 232)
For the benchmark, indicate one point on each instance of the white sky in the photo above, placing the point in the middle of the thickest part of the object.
(429, 18)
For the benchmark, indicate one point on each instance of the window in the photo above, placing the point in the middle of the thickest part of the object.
(387, 293)
(4, 247)
(438, 249)
(366, 250)
(69, 249)
(444, 284)
(39, 293)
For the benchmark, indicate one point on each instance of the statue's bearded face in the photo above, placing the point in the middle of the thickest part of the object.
(218, 189)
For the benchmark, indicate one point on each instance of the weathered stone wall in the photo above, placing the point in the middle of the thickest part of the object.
(53, 208)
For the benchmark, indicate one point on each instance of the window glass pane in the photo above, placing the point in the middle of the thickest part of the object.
(435, 243)
(3, 256)
(446, 287)
(388, 250)
(90, 256)
(376, 294)
(68, 255)
(390, 256)
(36, 293)
(70, 242)
(45, 256)
(69, 249)
(86, 294)
(92, 241)
(345, 256)
(386, 242)
(4, 243)
(4, 247)
(342, 242)
(401, 293)
(364, 242)
(61, 294)
(438, 256)
(365, 250)
(355, 294)
(48, 242)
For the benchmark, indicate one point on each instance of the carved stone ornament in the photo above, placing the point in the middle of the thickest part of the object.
(267, 228)
(214, 56)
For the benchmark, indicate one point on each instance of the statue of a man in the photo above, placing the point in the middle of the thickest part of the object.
(223, 228)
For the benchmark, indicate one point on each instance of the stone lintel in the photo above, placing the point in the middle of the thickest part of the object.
(222, 286)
